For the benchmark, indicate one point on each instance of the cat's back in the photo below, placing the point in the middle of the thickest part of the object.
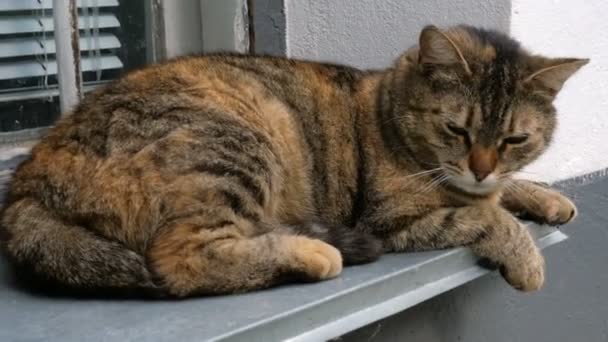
(145, 104)
(143, 123)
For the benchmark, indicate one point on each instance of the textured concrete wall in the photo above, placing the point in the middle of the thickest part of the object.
(572, 29)
(225, 25)
(371, 34)
(269, 26)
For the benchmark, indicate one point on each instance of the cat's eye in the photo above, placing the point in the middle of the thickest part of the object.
(515, 139)
(461, 132)
(457, 130)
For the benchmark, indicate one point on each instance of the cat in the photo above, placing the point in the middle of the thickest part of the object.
(222, 173)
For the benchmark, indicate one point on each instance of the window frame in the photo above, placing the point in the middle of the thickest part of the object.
(172, 28)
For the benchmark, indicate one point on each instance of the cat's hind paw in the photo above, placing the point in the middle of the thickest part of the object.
(314, 258)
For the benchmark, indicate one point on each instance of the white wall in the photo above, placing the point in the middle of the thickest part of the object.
(371, 34)
(577, 29)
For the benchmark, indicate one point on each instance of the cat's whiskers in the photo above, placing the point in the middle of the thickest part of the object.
(434, 183)
(412, 178)
(505, 176)
(513, 186)
(437, 183)
(415, 175)
(453, 169)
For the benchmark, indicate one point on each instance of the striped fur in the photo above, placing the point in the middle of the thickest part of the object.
(227, 173)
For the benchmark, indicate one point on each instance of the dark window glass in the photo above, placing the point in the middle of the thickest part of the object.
(112, 41)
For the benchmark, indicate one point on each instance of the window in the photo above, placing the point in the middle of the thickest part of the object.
(112, 40)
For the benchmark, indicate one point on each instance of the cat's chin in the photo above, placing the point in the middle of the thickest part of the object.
(476, 190)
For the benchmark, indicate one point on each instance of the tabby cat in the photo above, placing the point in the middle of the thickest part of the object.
(226, 173)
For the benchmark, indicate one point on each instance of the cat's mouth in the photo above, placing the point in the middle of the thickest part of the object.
(467, 183)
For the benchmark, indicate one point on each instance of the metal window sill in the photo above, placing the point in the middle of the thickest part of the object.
(302, 312)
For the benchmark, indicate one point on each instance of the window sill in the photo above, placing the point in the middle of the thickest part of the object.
(303, 312)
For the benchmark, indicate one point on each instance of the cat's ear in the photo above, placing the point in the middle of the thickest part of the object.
(436, 48)
(553, 73)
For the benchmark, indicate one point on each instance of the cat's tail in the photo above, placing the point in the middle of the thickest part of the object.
(356, 247)
(43, 247)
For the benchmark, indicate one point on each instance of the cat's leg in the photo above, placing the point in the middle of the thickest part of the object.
(221, 185)
(192, 258)
(538, 202)
(491, 232)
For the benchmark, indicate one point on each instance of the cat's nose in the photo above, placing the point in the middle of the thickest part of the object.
(482, 161)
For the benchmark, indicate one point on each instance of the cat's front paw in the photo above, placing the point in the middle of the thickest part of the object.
(559, 209)
(527, 276)
(550, 207)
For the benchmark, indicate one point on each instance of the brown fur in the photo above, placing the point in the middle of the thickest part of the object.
(224, 173)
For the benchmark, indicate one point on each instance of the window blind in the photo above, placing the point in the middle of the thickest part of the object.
(27, 47)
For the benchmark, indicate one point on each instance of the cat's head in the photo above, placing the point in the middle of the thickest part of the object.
(475, 104)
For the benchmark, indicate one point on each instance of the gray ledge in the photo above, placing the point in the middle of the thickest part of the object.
(303, 312)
